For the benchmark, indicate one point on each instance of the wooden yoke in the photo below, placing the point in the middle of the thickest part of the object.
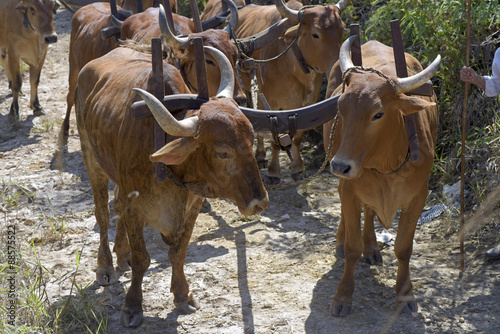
(141, 110)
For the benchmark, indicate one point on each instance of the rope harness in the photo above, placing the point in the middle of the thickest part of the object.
(373, 70)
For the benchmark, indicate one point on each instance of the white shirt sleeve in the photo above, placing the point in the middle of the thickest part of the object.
(492, 83)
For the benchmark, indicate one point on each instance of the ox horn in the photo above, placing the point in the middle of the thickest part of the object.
(292, 15)
(166, 33)
(184, 128)
(345, 60)
(116, 22)
(405, 85)
(226, 87)
(233, 19)
(342, 4)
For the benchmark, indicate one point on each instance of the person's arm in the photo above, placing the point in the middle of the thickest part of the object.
(467, 74)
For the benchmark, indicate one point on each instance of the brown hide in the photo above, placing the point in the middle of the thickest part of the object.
(87, 44)
(370, 146)
(218, 162)
(132, 4)
(214, 7)
(26, 29)
(143, 27)
(319, 42)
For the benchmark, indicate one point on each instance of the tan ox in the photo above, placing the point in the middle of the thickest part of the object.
(87, 44)
(283, 81)
(371, 157)
(26, 30)
(209, 152)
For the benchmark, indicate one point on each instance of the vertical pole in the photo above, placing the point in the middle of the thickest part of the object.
(357, 60)
(159, 93)
(112, 5)
(402, 72)
(462, 172)
(168, 13)
(196, 15)
(139, 7)
(201, 71)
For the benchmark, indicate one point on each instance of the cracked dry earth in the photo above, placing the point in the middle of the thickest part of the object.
(271, 273)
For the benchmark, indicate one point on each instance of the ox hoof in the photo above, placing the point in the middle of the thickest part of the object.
(38, 112)
(105, 276)
(340, 310)
(262, 163)
(206, 207)
(374, 258)
(299, 176)
(340, 252)
(270, 180)
(129, 318)
(189, 305)
(409, 307)
(123, 262)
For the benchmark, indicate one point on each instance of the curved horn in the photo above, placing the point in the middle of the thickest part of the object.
(342, 4)
(292, 15)
(345, 60)
(226, 87)
(404, 85)
(117, 23)
(167, 34)
(233, 20)
(185, 128)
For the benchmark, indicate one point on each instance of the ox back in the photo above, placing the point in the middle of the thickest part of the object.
(26, 29)
(371, 157)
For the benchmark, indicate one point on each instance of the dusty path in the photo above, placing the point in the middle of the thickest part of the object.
(272, 273)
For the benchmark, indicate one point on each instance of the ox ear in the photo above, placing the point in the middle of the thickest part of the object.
(291, 33)
(411, 104)
(175, 152)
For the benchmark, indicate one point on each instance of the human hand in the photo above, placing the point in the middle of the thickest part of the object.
(467, 74)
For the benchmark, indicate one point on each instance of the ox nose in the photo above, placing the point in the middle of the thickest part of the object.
(340, 168)
(241, 100)
(257, 206)
(51, 39)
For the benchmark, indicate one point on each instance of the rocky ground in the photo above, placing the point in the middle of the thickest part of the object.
(271, 273)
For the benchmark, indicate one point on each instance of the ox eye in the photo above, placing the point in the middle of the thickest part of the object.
(32, 10)
(377, 116)
(209, 62)
(223, 155)
(315, 36)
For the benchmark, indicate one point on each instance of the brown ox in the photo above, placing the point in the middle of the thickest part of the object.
(87, 44)
(371, 157)
(26, 30)
(209, 153)
(282, 81)
(152, 23)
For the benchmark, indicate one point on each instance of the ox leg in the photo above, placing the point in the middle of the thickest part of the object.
(35, 72)
(353, 247)
(122, 246)
(70, 101)
(15, 83)
(403, 248)
(185, 301)
(105, 274)
(131, 315)
(274, 169)
(339, 248)
(297, 165)
(260, 152)
(371, 251)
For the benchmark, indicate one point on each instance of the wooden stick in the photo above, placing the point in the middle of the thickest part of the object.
(462, 174)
